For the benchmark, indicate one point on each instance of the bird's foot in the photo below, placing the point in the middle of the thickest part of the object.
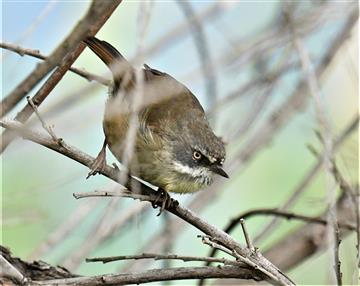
(163, 201)
(99, 163)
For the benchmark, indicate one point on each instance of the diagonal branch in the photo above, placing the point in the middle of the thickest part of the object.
(262, 267)
(64, 56)
(36, 54)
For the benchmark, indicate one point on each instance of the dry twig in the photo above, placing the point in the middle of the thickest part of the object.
(36, 54)
(157, 256)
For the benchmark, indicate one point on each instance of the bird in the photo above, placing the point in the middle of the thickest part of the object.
(174, 147)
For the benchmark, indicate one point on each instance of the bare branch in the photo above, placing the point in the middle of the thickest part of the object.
(337, 266)
(257, 261)
(215, 245)
(246, 235)
(307, 179)
(309, 239)
(268, 130)
(179, 273)
(36, 54)
(7, 270)
(196, 25)
(156, 256)
(277, 213)
(43, 123)
(66, 53)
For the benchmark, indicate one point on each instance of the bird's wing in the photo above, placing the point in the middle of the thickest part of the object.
(171, 104)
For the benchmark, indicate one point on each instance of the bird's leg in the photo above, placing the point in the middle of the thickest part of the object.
(165, 200)
(99, 163)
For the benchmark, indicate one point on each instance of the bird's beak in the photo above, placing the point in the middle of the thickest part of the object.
(218, 170)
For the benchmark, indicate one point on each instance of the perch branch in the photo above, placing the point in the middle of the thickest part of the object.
(254, 259)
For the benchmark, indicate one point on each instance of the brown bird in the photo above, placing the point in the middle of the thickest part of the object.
(174, 147)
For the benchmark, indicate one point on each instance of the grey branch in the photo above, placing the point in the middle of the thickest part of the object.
(90, 24)
(179, 273)
(67, 52)
(36, 54)
(156, 256)
(43, 123)
(261, 266)
(307, 240)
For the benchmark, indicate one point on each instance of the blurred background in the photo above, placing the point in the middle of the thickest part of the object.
(239, 59)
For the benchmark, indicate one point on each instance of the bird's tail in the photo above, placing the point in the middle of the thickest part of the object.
(118, 65)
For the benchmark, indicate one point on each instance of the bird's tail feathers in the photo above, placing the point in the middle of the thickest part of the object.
(118, 65)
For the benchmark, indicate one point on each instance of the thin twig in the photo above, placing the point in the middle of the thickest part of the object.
(307, 179)
(343, 184)
(286, 215)
(157, 256)
(36, 54)
(246, 235)
(199, 36)
(43, 123)
(309, 239)
(124, 194)
(278, 213)
(337, 265)
(325, 132)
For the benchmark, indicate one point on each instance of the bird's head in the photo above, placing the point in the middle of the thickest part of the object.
(197, 153)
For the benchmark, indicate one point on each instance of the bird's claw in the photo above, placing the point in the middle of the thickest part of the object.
(164, 201)
(98, 165)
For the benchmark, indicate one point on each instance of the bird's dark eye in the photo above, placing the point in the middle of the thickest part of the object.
(196, 155)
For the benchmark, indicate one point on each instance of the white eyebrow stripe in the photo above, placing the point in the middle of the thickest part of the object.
(194, 172)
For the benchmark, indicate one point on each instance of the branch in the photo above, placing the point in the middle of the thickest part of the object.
(196, 26)
(283, 214)
(309, 239)
(27, 271)
(278, 213)
(95, 17)
(307, 179)
(253, 259)
(297, 100)
(36, 54)
(179, 273)
(43, 123)
(69, 50)
(162, 257)
(40, 273)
